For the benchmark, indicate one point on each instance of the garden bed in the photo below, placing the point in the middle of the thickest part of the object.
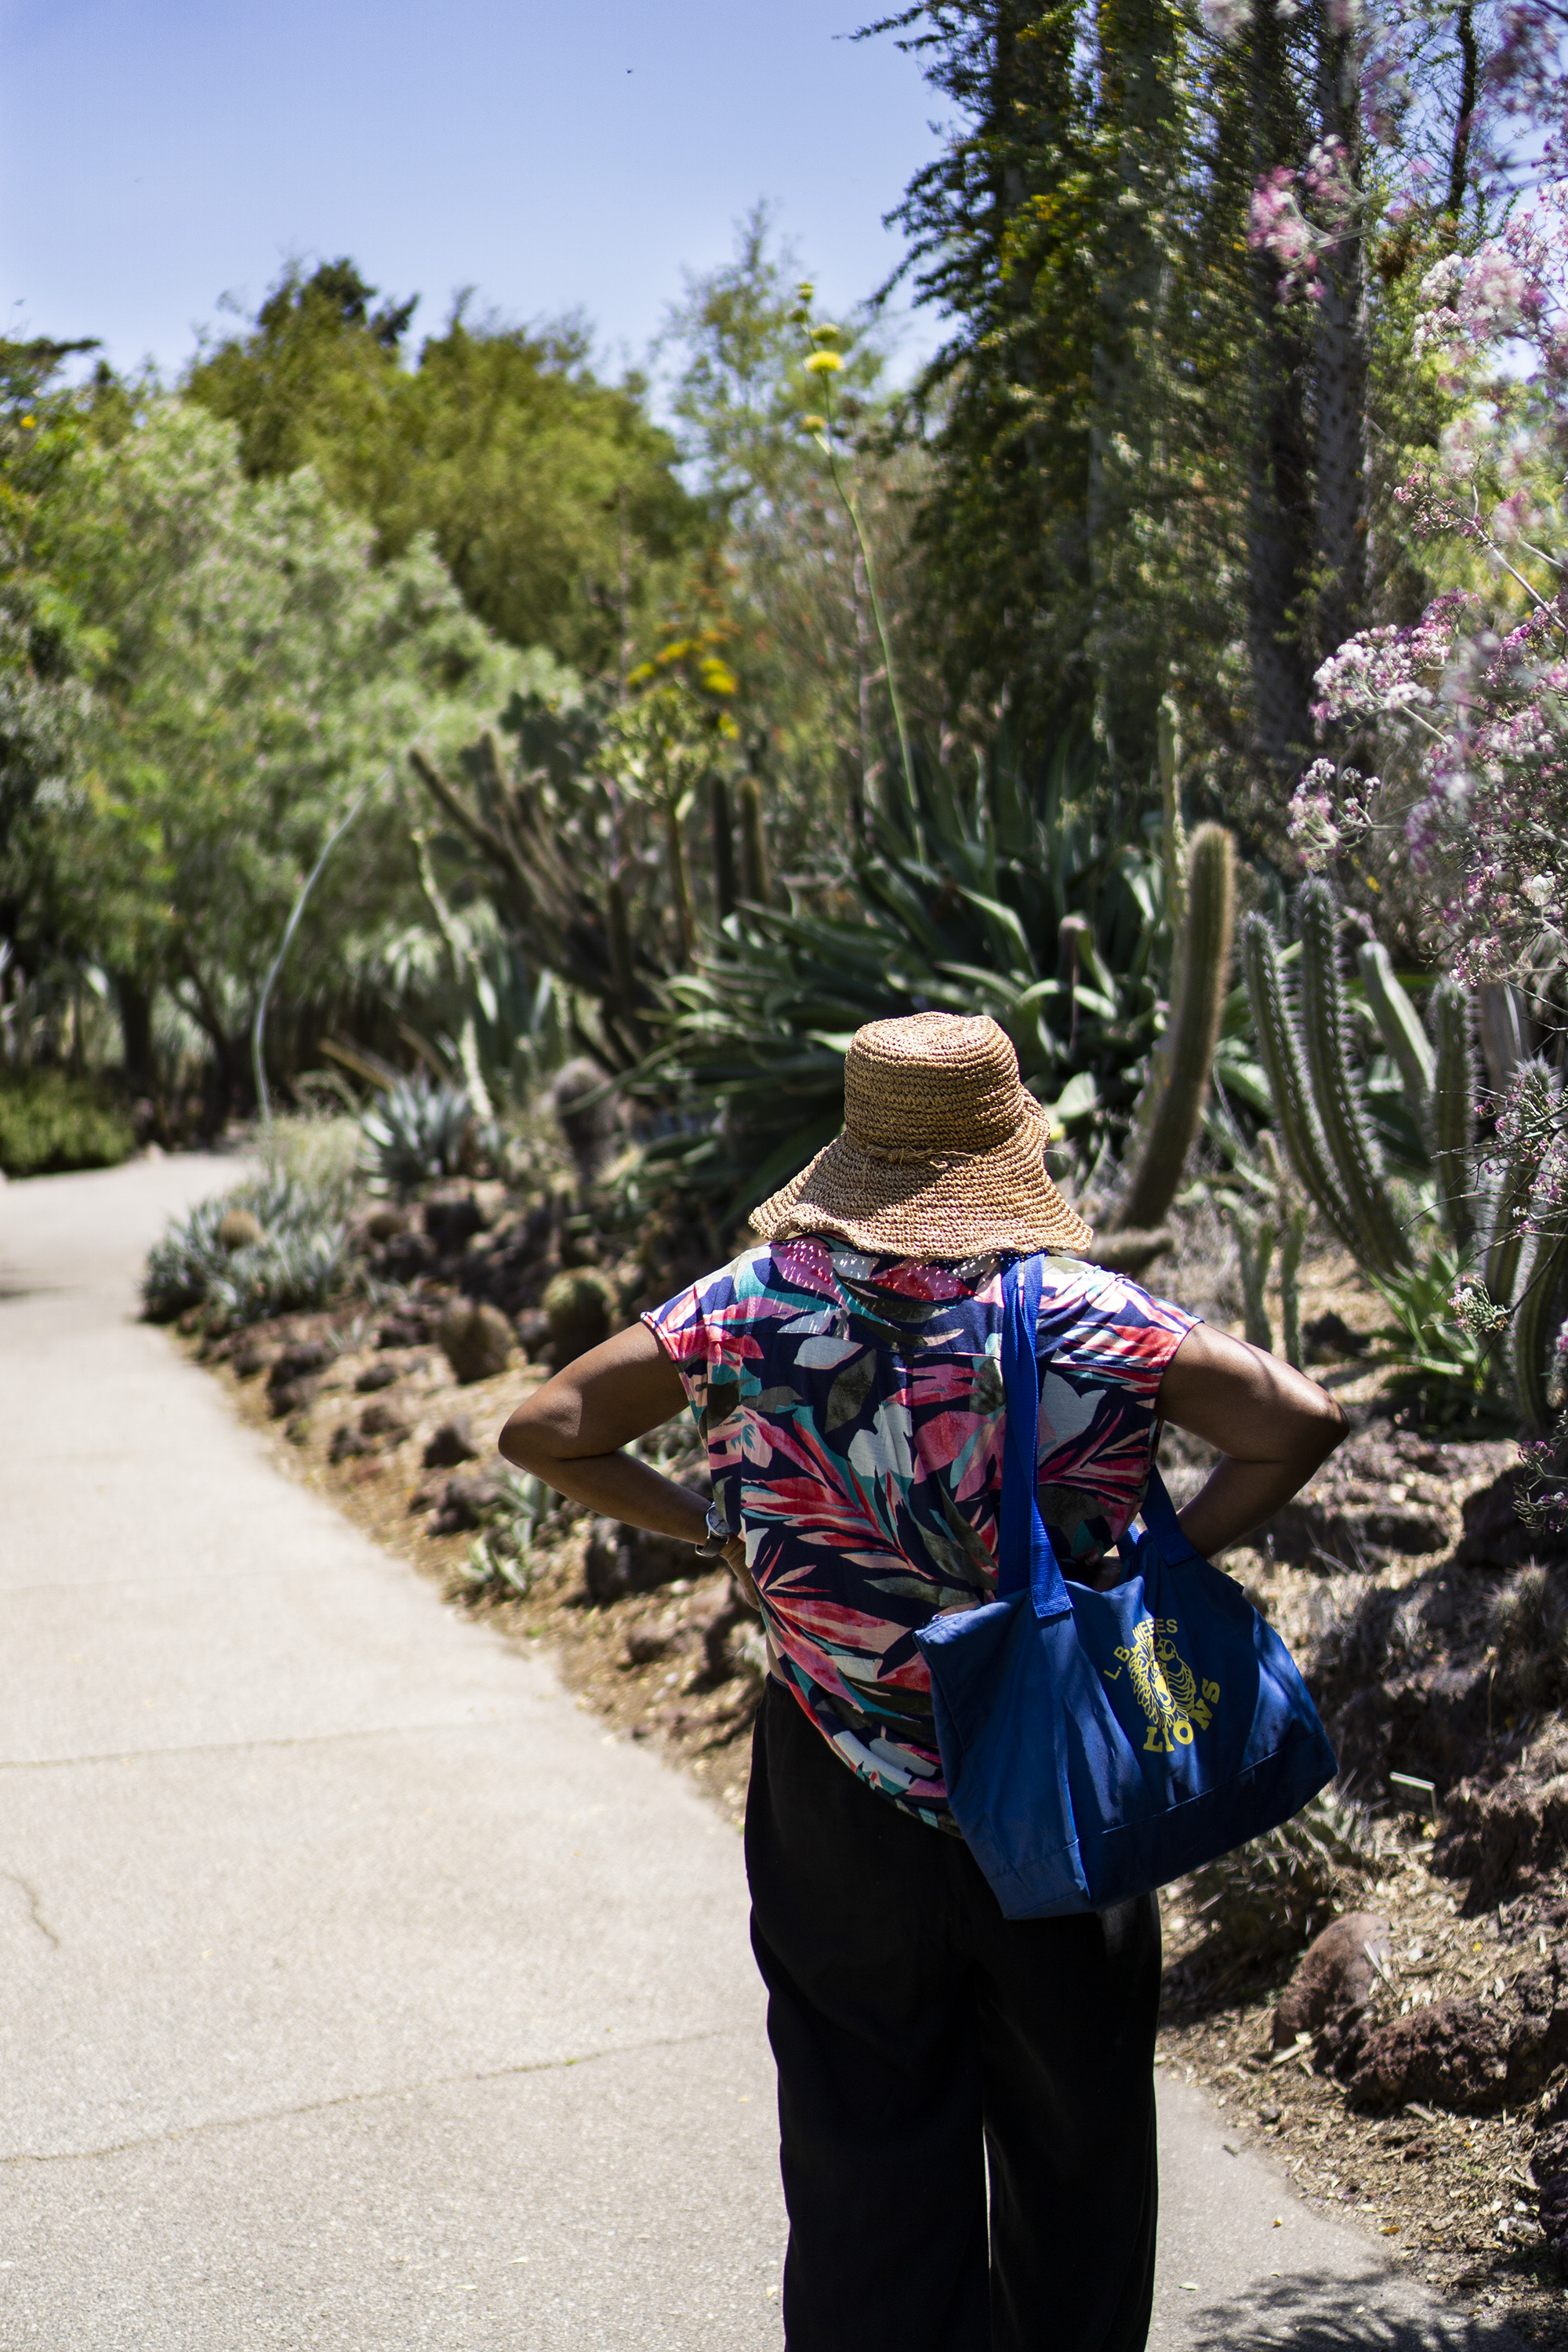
(1386, 1576)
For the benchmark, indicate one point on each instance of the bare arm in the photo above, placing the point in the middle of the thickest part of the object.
(570, 1433)
(1273, 1428)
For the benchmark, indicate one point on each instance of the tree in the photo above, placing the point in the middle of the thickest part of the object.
(246, 669)
(815, 717)
(1171, 251)
(551, 498)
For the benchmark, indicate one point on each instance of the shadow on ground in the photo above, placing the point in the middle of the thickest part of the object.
(1313, 2311)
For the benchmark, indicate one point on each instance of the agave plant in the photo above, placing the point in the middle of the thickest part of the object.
(505, 1558)
(417, 1132)
(1007, 898)
(300, 1260)
(1269, 1896)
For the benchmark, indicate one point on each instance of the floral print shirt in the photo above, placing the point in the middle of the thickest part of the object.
(852, 1409)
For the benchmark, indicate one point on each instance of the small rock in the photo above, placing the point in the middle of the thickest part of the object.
(477, 1341)
(238, 1229)
(1333, 1975)
(384, 1421)
(466, 1502)
(293, 1396)
(1548, 2163)
(378, 1376)
(252, 1356)
(645, 1644)
(301, 1356)
(1467, 2054)
(451, 1444)
(621, 1560)
(1495, 1537)
(1268, 2114)
(1503, 1835)
(1328, 1339)
(1453, 2054)
(347, 1441)
(451, 1216)
(385, 1225)
(533, 1329)
(408, 1329)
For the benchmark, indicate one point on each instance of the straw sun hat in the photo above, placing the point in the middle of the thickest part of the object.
(943, 1152)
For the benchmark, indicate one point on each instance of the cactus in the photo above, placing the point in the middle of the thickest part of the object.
(723, 848)
(1255, 1240)
(1168, 740)
(756, 882)
(1381, 1244)
(1281, 1049)
(1291, 1242)
(1535, 1323)
(1452, 1125)
(1292, 1214)
(1400, 1023)
(1204, 953)
(1508, 1202)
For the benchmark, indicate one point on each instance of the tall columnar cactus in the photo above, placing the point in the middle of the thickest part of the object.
(1536, 1321)
(1325, 1025)
(1279, 1047)
(1452, 1128)
(1507, 1205)
(756, 882)
(1202, 957)
(723, 848)
(1400, 1025)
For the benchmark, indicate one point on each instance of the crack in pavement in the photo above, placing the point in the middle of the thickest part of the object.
(493, 1721)
(39, 1922)
(368, 2098)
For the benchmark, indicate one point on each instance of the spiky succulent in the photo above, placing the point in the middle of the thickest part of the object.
(417, 1133)
(1269, 1896)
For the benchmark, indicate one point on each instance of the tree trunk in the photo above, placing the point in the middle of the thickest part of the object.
(1278, 534)
(136, 1003)
(1341, 368)
(1139, 81)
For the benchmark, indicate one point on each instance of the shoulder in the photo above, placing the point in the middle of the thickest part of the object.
(775, 1278)
(1108, 1317)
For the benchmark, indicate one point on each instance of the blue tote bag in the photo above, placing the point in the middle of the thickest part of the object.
(1097, 1745)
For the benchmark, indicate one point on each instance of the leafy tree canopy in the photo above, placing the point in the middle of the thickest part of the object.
(241, 671)
(550, 496)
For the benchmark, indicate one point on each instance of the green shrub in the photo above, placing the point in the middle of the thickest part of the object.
(50, 1121)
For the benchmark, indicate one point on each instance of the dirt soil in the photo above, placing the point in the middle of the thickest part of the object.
(1383, 1578)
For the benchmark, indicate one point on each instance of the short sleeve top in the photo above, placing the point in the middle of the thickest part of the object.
(853, 1413)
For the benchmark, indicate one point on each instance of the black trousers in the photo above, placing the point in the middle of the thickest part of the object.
(923, 2043)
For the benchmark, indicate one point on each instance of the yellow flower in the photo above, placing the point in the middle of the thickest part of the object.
(826, 333)
(29, 423)
(824, 363)
(815, 424)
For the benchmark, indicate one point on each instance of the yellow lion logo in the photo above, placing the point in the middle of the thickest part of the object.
(1166, 1686)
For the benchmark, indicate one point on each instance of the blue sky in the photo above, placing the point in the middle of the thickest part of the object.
(576, 154)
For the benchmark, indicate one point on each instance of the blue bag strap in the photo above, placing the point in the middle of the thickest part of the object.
(1158, 1514)
(1027, 1557)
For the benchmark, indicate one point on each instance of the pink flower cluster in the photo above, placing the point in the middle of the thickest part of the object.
(1278, 226)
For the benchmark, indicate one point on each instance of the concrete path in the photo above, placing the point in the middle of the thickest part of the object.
(359, 1993)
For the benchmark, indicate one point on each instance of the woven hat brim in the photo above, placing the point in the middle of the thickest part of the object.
(943, 1208)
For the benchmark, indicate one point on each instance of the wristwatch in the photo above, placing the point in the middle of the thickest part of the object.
(720, 1533)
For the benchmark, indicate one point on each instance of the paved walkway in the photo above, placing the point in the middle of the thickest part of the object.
(359, 1994)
